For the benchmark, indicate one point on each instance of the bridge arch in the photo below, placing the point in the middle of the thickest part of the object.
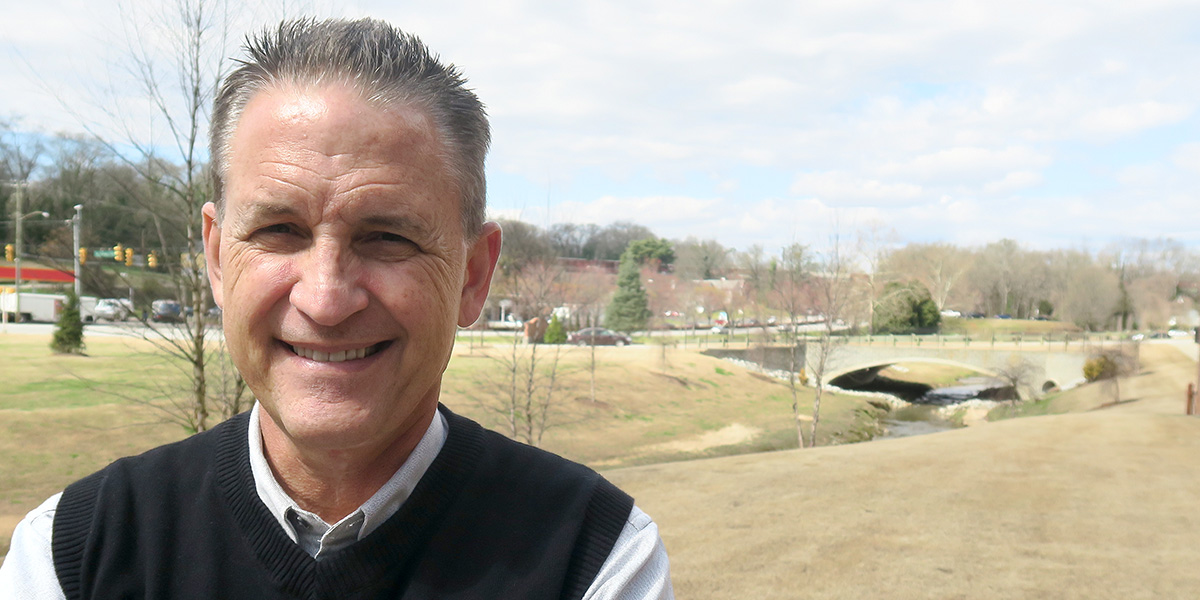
(879, 365)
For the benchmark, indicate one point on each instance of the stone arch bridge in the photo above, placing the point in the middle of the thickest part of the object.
(1050, 368)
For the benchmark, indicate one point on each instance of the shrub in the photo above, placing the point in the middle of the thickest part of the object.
(555, 332)
(1107, 365)
(68, 332)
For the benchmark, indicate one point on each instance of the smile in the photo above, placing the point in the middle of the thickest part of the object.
(339, 356)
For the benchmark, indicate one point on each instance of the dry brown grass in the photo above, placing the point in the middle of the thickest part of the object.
(1093, 504)
(1098, 504)
(57, 423)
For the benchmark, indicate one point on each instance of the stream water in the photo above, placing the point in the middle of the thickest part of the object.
(923, 409)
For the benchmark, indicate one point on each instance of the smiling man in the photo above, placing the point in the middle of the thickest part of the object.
(345, 246)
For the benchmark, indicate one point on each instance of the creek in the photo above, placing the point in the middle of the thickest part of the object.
(919, 408)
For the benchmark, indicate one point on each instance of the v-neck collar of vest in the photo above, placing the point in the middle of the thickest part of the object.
(367, 561)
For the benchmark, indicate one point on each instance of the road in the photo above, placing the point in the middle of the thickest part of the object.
(131, 329)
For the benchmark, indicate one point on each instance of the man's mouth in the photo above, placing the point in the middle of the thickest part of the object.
(339, 356)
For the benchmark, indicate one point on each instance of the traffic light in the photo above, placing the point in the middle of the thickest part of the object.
(129, 257)
(10, 252)
(83, 256)
(152, 260)
(119, 253)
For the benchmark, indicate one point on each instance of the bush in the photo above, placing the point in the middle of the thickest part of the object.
(68, 332)
(555, 332)
(1107, 365)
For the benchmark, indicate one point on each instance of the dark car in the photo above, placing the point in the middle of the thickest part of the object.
(166, 311)
(599, 336)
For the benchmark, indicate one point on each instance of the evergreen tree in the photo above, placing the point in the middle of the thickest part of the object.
(651, 249)
(629, 308)
(906, 308)
(555, 332)
(68, 333)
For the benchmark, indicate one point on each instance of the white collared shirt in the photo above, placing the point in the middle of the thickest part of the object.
(310, 531)
(636, 568)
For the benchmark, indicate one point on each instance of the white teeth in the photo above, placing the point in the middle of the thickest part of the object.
(339, 356)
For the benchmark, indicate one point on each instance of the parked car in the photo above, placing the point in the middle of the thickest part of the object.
(113, 309)
(598, 336)
(166, 311)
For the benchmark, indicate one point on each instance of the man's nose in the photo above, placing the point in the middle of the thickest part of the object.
(328, 288)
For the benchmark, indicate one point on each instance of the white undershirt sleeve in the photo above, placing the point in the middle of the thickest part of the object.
(637, 568)
(28, 569)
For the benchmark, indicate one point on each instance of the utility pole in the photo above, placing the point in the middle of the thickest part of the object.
(77, 222)
(18, 219)
(17, 214)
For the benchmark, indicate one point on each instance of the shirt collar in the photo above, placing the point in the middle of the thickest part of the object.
(377, 509)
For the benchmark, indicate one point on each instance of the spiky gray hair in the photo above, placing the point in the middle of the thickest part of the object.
(387, 66)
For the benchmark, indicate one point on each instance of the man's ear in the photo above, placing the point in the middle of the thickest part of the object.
(481, 263)
(212, 251)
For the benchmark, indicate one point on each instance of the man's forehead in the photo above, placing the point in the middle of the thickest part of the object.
(300, 103)
(376, 210)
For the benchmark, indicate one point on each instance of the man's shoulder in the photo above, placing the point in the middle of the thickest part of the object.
(185, 458)
(511, 474)
(509, 456)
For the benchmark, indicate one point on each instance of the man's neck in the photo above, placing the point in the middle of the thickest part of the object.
(335, 483)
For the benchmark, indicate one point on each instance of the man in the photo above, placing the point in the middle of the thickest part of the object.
(345, 246)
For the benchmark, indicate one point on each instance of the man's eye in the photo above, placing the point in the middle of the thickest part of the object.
(390, 238)
(277, 228)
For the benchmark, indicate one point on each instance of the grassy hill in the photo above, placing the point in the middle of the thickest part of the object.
(62, 417)
(1094, 504)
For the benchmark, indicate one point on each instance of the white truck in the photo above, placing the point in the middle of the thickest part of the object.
(43, 308)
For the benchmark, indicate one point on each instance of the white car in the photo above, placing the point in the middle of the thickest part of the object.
(113, 309)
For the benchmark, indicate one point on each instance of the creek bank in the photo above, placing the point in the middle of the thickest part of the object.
(903, 408)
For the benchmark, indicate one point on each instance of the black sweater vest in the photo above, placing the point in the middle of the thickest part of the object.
(491, 519)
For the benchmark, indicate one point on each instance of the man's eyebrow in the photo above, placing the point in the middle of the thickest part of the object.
(262, 211)
(397, 222)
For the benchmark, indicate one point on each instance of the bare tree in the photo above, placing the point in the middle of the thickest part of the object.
(874, 246)
(756, 276)
(1110, 365)
(535, 288)
(524, 395)
(941, 268)
(700, 259)
(831, 293)
(1017, 373)
(194, 37)
(790, 286)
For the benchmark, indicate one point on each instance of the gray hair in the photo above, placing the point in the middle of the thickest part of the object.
(387, 66)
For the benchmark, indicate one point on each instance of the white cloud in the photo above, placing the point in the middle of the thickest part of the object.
(968, 164)
(661, 210)
(840, 187)
(757, 90)
(1187, 157)
(1012, 181)
(1132, 118)
(884, 108)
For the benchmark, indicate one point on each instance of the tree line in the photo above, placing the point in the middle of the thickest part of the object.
(890, 287)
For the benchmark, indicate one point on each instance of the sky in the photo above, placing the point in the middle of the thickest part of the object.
(1057, 124)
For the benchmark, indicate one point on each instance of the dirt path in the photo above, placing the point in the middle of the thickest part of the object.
(1100, 504)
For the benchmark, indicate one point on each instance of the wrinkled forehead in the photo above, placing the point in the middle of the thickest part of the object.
(332, 128)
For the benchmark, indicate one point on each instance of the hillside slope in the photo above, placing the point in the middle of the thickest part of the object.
(1100, 504)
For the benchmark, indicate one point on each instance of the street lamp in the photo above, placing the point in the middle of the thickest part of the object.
(77, 223)
(20, 218)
